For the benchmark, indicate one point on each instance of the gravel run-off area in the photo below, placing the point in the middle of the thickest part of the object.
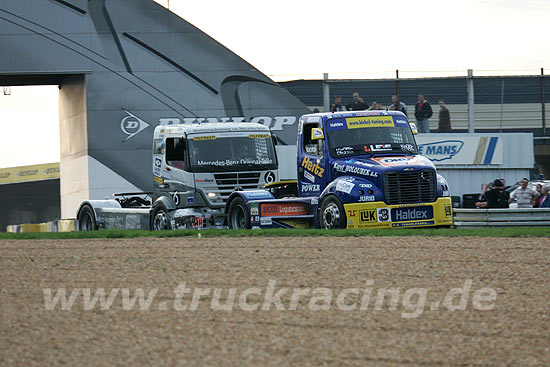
(509, 325)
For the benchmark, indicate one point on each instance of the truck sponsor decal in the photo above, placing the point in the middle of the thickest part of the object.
(254, 209)
(368, 216)
(378, 148)
(364, 199)
(311, 188)
(408, 214)
(344, 150)
(309, 176)
(359, 163)
(312, 167)
(408, 147)
(199, 138)
(284, 209)
(234, 162)
(157, 168)
(259, 136)
(413, 224)
(266, 221)
(383, 214)
(397, 161)
(260, 194)
(369, 121)
(313, 119)
(344, 186)
(344, 168)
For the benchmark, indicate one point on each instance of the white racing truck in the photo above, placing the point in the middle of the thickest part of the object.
(195, 169)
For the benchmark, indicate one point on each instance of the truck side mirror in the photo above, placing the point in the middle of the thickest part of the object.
(413, 128)
(317, 134)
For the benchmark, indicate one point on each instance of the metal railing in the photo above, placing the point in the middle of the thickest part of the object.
(502, 217)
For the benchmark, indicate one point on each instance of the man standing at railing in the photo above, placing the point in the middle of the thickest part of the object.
(524, 195)
(422, 112)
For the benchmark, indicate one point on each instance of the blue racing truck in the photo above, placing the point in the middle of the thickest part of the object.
(355, 170)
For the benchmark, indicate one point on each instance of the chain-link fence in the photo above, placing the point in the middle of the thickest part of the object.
(500, 103)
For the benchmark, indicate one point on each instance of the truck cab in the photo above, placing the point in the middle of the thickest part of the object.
(197, 166)
(359, 170)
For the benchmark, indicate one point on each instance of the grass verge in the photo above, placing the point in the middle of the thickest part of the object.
(445, 232)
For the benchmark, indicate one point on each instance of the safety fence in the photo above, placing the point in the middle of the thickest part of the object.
(475, 102)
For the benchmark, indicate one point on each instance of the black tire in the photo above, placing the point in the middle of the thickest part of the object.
(86, 219)
(238, 216)
(332, 214)
(160, 220)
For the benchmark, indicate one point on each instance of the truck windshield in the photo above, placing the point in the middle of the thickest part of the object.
(369, 135)
(231, 152)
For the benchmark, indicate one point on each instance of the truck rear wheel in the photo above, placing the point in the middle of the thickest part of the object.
(332, 215)
(86, 219)
(160, 220)
(238, 216)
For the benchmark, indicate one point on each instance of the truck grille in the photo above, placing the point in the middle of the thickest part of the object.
(410, 187)
(228, 182)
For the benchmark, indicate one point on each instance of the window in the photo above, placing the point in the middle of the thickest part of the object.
(175, 152)
(158, 146)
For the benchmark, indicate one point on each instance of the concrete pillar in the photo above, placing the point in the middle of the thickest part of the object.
(73, 137)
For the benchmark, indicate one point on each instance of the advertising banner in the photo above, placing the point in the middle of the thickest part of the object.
(448, 150)
(35, 172)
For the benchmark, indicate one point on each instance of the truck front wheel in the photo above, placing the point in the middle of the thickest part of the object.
(332, 213)
(238, 216)
(160, 220)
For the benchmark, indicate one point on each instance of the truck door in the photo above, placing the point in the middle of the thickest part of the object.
(177, 179)
(312, 175)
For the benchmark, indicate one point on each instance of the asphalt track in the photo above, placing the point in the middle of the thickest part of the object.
(516, 332)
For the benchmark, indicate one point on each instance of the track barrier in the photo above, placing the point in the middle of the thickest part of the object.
(62, 225)
(502, 217)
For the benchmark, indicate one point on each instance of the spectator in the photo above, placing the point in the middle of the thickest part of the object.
(497, 197)
(358, 104)
(482, 200)
(545, 197)
(396, 105)
(444, 118)
(377, 106)
(524, 195)
(337, 105)
(539, 191)
(422, 113)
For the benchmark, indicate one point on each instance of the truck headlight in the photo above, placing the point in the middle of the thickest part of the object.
(211, 195)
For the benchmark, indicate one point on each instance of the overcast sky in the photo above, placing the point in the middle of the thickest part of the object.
(347, 39)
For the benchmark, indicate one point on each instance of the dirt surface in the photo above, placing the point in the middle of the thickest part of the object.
(516, 332)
